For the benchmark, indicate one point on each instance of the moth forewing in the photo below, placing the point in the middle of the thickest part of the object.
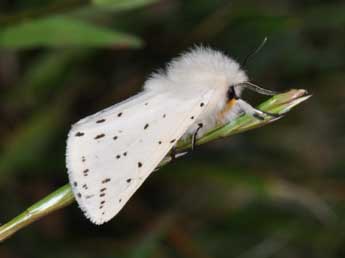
(111, 154)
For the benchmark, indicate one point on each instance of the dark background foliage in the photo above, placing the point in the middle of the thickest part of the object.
(272, 192)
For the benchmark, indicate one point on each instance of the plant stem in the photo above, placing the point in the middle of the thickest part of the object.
(52, 202)
(279, 104)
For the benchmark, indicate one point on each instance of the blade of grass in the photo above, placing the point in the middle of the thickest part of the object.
(63, 31)
(279, 104)
(122, 5)
(52, 202)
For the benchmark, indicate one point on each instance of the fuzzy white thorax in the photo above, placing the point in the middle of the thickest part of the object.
(198, 69)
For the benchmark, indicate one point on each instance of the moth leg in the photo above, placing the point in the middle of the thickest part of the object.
(200, 125)
(261, 115)
(173, 153)
(258, 114)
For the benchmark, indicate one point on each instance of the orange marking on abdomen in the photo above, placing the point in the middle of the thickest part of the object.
(227, 108)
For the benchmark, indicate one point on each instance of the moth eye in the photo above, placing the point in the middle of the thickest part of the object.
(231, 93)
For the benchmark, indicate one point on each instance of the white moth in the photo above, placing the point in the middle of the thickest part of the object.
(111, 153)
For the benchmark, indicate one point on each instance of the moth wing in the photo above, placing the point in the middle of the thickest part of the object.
(111, 153)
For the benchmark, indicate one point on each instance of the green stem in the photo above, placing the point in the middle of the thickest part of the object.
(52, 202)
(279, 104)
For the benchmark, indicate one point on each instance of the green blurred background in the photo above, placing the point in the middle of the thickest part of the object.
(278, 191)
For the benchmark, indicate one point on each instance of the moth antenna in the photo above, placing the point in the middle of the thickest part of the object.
(247, 58)
(257, 89)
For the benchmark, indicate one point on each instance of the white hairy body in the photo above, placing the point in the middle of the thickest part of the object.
(110, 154)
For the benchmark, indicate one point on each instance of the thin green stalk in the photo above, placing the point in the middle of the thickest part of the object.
(52, 202)
(279, 104)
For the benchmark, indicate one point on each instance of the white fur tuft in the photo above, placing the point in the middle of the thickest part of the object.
(199, 65)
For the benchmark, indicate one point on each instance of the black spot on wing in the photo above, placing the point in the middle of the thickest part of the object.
(146, 126)
(83, 159)
(100, 121)
(159, 142)
(86, 172)
(125, 153)
(173, 140)
(164, 115)
(202, 104)
(89, 196)
(75, 183)
(99, 136)
(140, 164)
(115, 138)
(106, 180)
(192, 117)
(79, 134)
(79, 195)
(102, 195)
(118, 156)
(129, 180)
(119, 114)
